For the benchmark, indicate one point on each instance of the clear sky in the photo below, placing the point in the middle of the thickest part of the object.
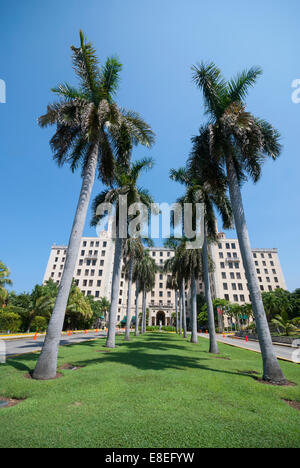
(157, 41)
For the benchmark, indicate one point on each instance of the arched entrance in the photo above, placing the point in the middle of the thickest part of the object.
(161, 317)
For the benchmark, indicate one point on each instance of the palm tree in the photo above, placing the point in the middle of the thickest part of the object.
(238, 144)
(173, 284)
(282, 321)
(144, 273)
(192, 268)
(200, 191)
(78, 306)
(89, 124)
(133, 252)
(124, 185)
(4, 280)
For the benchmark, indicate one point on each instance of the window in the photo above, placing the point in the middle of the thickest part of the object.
(223, 275)
(83, 253)
(84, 283)
(230, 264)
(221, 255)
(270, 288)
(231, 275)
(100, 272)
(88, 262)
(240, 286)
(254, 255)
(226, 297)
(235, 298)
(272, 263)
(90, 252)
(258, 270)
(97, 294)
(227, 246)
(154, 254)
(161, 254)
(256, 262)
(264, 263)
(97, 244)
(78, 272)
(233, 286)
(86, 273)
(92, 244)
(228, 255)
(233, 246)
(98, 283)
(91, 283)
(101, 262)
(160, 294)
(276, 280)
(56, 260)
(266, 271)
(274, 271)
(84, 244)
(242, 298)
(89, 293)
(236, 265)
(160, 277)
(80, 262)
(261, 287)
(59, 275)
(225, 286)
(238, 276)
(104, 244)
(169, 254)
(270, 255)
(103, 253)
(259, 279)
(220, 245)
(268, 279)
(161, 285)
(262, 255)
(222, 265)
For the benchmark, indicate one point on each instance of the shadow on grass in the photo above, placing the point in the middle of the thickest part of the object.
(136, 356)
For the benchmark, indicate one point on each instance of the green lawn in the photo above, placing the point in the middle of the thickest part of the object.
(156, 391)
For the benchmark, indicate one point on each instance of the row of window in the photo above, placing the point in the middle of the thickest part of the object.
(94, 244)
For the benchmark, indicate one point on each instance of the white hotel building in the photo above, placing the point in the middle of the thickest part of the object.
(93, 274)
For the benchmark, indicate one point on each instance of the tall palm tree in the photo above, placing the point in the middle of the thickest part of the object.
(124, 185)
(4, 281)
(133, 252)
(198, 190)
(238, 144)
(144, 273)
(173, 284)
(88, 127)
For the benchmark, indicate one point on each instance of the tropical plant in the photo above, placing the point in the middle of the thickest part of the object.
(4, 281)
(283, 323)
(78, 307)
(198, 190)
(144, 273)
(236, 143)
(123, 187)
(89, 124)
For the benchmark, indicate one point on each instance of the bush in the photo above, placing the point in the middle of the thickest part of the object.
(39, 324)
(168, 329)
(10, 322)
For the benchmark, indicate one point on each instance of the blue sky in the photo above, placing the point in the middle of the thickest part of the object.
(157, 41)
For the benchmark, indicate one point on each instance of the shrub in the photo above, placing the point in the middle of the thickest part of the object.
(39, 324)
(164, 328)
(10, 322)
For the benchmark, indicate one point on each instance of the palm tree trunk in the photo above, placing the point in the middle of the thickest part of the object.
(176, 306)
(137, 309)
(271, 369)
(143, 311)
(128, 317)
(184, 310)
(181, 311)
(194, 336)
(115, 292)
(213, 345)
(46, 366)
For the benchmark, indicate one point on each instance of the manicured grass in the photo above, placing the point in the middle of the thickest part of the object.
(156, 391)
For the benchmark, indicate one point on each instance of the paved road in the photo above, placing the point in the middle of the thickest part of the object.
(282, 352)
(28, 345)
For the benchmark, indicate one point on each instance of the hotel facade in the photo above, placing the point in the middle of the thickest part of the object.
(94, 267)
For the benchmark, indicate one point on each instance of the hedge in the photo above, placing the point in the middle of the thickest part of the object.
(10, 322)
